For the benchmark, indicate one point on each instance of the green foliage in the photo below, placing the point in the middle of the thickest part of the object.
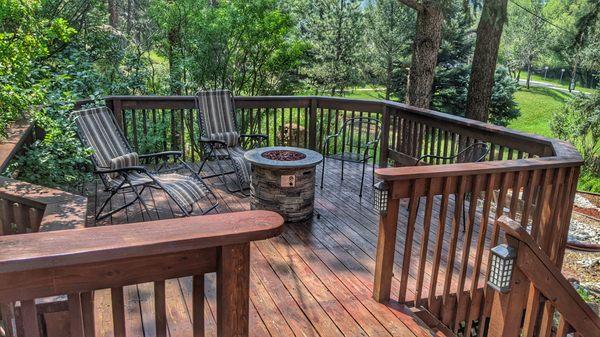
(579, 123)
(334, 29)
(452, 76)
(388, 40)
(57, 160)
(25, 41)
(246, 46)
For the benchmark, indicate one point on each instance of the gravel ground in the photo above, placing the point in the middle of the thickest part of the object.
(584, 267)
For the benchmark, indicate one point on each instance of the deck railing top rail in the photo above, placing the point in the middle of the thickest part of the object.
(387, 111)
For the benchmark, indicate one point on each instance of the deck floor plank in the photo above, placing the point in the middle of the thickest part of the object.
(314, 280)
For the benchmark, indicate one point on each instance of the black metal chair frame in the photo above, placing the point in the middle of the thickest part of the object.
(209, 147)
(479, 158)
(127, 185)
(343, 157)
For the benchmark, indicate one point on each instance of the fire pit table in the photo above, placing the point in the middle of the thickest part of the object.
(283, 180)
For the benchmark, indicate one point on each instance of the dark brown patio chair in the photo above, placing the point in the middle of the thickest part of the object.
(221, 140)
(118, 166)
(354, 148)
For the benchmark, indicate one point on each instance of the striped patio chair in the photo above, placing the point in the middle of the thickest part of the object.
(119, 167)
(221, 140)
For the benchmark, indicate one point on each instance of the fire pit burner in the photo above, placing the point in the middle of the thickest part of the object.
(283, 155)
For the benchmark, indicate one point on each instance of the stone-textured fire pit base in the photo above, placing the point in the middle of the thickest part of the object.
(283, 181)
(293, 203)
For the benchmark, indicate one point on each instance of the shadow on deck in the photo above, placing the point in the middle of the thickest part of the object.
(315, 279)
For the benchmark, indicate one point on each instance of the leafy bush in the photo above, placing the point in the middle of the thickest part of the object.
(58, 159)
(579, 124)
(24, 40)
(450, 93)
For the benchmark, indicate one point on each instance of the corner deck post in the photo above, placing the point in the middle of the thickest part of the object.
(233, 290)
(386, 245)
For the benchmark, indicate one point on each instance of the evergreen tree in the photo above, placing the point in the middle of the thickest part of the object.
(388, 39)
(334, 29)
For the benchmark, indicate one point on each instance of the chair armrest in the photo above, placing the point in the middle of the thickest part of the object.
(139, 169)
(212, 142)
(421, 158)
(164, 154)
(261, 136)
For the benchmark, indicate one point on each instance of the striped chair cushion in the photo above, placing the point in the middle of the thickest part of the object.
(217, 115)
(101, 133)
(230, 138)
(126, 160)
(184, 189)
(240, 164)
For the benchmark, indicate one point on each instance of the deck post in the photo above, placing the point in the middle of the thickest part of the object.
(233, 290)
(505, 319)
(312, 126)
(386, 245)
(385, 136)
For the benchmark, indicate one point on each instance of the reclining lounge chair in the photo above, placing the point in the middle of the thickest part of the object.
(221, 140)
(120, 170)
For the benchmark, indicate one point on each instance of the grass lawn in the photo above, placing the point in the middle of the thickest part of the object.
(537, 105)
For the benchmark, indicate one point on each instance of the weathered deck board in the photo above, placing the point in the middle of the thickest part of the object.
(314, 280)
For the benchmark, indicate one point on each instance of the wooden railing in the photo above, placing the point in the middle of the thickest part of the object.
(459, 201)
(75, 263)
(157, 123)
(538, 290)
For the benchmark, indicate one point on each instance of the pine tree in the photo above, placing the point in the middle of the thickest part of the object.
(389, 39)
(334, 29)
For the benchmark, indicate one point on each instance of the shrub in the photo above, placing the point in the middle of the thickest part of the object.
(58, 159)
(579, 124)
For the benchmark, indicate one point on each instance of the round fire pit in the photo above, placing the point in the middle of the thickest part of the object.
(283, 180)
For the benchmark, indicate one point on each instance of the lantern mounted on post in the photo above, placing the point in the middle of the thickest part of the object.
(380, 198)
(501, 270)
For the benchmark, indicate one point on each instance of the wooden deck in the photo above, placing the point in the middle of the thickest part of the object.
(314, 280)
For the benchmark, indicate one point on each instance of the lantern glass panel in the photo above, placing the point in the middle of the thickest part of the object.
(380, 198)
(501, 268)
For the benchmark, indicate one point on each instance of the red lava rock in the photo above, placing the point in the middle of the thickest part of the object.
(284, 155)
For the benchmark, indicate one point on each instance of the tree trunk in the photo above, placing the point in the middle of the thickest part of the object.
(573, 76)
(528, 73)
(388, 80)
(174, 71)
(481, 82)
(428, 36)
(113, 17)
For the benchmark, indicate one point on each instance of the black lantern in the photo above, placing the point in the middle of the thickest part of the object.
(501, 270)
(380, 198)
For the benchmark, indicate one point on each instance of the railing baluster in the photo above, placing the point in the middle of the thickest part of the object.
(413, 209)
(118, 311)
(87, 310)
(75, 315)
(198, 305)
(160, 309)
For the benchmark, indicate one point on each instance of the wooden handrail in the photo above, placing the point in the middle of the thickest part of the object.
(19, 134)
(546, 278)
(54, 209)
(77, 262)
(100, 244)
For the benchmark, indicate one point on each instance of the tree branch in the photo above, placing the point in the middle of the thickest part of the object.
(414, 4)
